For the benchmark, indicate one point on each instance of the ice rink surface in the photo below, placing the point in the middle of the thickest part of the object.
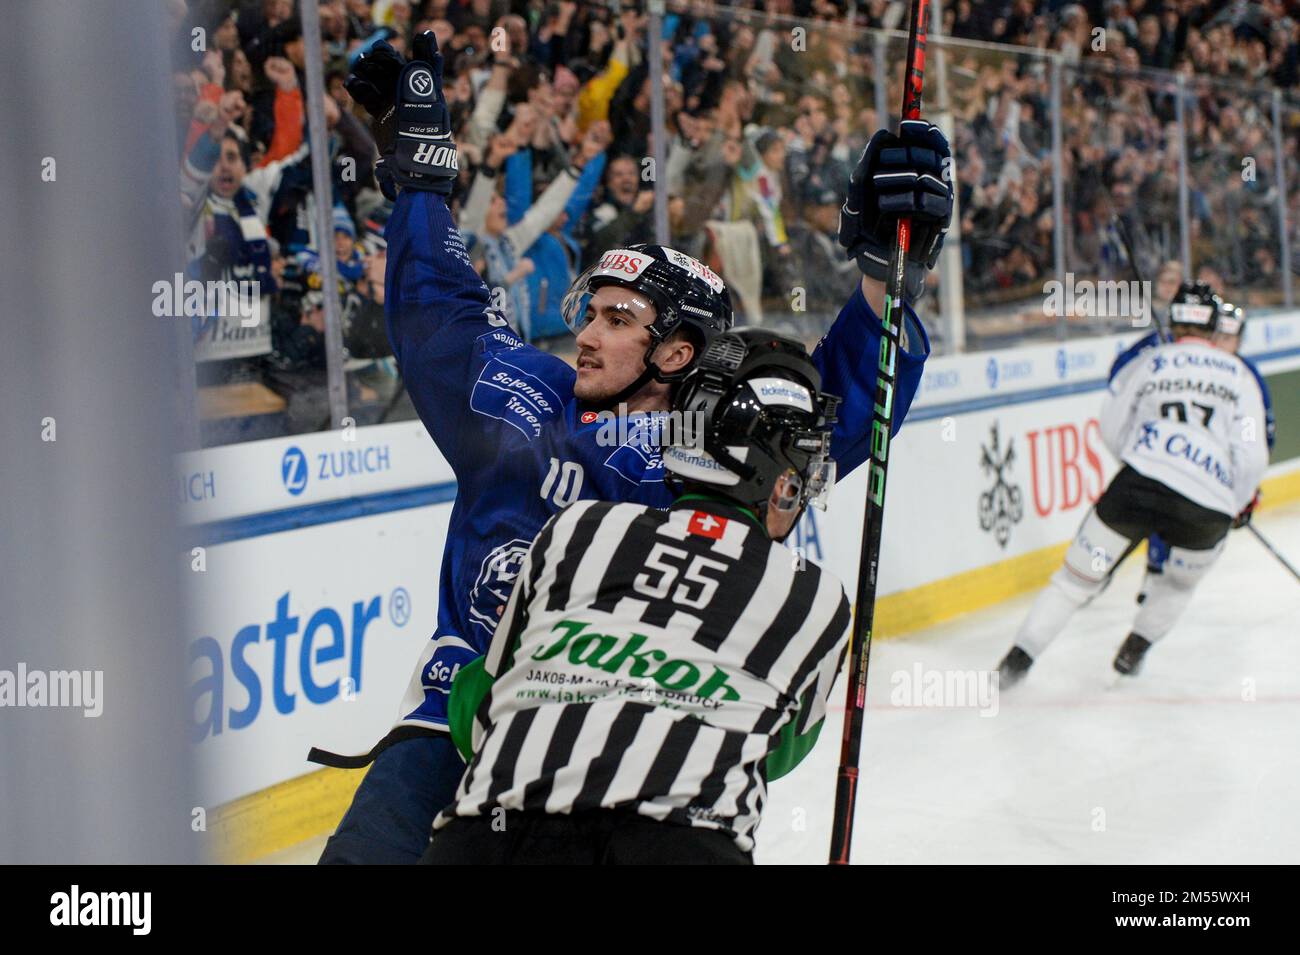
(1196, 760)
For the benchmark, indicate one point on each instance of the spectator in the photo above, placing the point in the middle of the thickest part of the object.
(625, 217)
(761, 131)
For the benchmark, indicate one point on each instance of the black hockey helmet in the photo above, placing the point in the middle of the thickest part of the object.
(751, 410)
(1196, 306)
(685, 292)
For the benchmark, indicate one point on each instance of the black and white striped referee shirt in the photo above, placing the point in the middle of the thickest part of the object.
(648, 659)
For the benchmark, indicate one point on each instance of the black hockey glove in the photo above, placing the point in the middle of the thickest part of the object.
(412, 125)
(904, 174)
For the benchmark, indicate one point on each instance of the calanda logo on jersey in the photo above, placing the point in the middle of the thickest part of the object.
(625, 656)
(1000, 506)
(1179, 445)
(1224, 363)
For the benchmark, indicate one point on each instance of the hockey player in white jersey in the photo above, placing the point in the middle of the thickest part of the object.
(655, 668)
(1227, 335)
(1187, 422)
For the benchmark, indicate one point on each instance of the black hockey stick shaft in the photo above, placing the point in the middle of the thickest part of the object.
(1273, 550)
(1126, 237)
(846, 788)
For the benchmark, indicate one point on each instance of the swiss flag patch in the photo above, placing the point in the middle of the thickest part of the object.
(707, 525)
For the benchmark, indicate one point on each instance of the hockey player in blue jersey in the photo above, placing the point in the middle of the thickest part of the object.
(526, 434)
(1227, 335)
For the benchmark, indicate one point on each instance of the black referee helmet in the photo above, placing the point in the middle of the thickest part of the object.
(750, 411)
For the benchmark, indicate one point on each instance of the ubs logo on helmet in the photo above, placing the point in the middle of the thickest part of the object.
(628, 262)
(696, 268)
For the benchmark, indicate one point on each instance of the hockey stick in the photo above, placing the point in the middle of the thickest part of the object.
(1273, 550)
(1162, 325)
(846, 787)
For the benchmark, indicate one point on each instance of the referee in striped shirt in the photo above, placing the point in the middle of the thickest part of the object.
(653, 669)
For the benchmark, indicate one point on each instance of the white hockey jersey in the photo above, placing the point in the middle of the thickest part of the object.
(1191, 416)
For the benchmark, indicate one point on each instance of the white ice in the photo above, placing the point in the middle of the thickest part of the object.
(1173, 766)
(1196, 760)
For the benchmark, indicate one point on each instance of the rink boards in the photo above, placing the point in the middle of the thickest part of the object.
(316, 585)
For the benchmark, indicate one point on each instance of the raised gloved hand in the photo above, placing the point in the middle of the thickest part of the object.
(1247, 513)
(904, 174)
(412, 124)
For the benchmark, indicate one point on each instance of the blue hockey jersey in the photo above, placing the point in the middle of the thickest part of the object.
(523, 447)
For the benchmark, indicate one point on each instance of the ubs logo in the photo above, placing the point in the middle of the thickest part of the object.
(1001, 506)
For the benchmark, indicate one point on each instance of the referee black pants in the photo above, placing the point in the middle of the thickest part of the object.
(602, 837)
